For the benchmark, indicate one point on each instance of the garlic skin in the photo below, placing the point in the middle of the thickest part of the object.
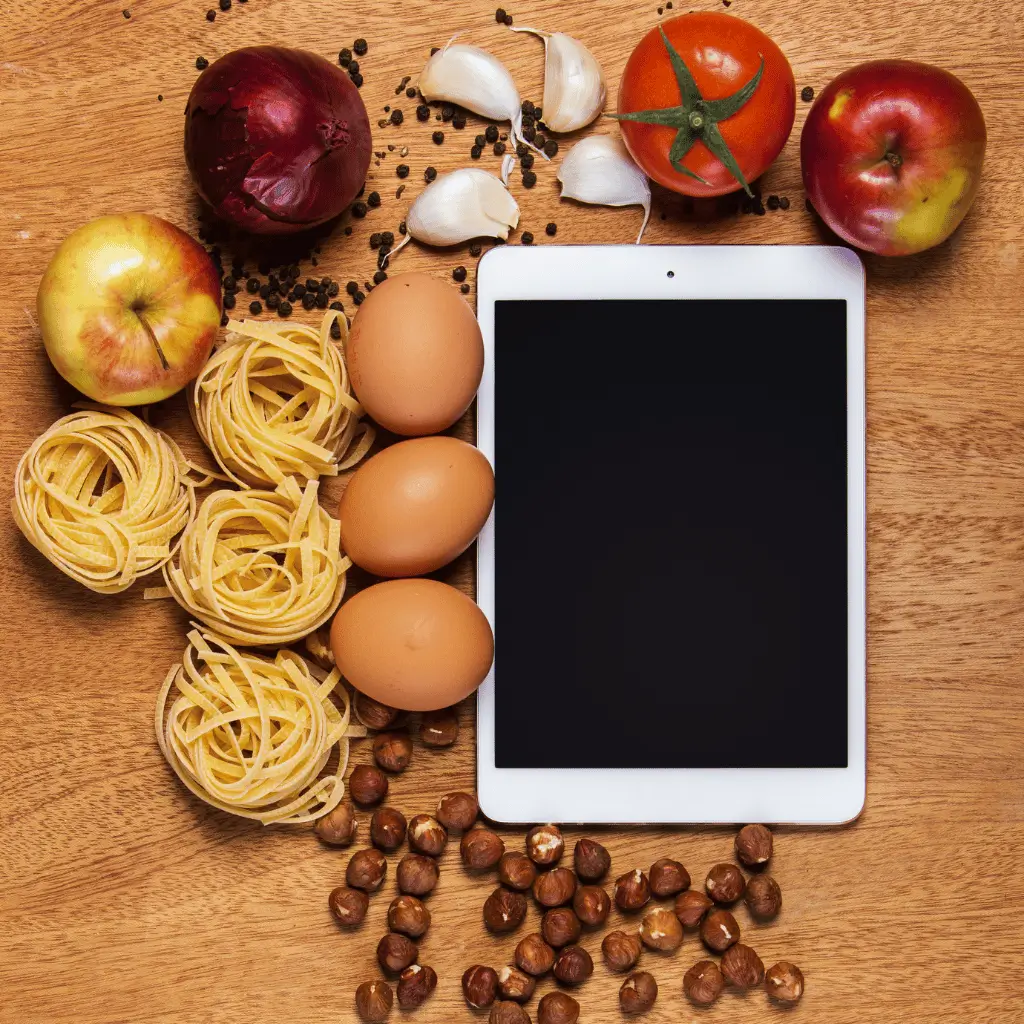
(474, 79)
(467, 203)
(599, 170)
(574, 89)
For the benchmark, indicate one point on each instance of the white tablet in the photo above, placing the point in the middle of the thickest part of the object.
(675, 565)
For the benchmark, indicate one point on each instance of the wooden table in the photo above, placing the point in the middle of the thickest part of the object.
(121, 899)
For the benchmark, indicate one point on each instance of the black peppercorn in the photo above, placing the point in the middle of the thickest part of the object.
(476, 152)
(447, 112)
(358, 298)
(528, 107)
(387, 239)
(345, 57)
(224, 320)
(526, 160)
(397, 117)
(353, 66)
(255, 308)
(308, 300)
(807, 94)
(373, 199)
(550, 147)
(538, 110)
(551, 229)
(423, 112)
(264, 292)
(499, 15)
(401, 227)
(299, 290)
(527, 238)
(336, 331)
(225, 5)
(252, 286)
(332, 289)
(475, 249)
(491, 133)
(410, 93)
(539, 140)
(459, 122)
(360, 46)
(459, 273)
(273, 300)
(429, 175)
(375, 240)
(434, 49)
(481, 141)
(783, 203)
(438, 138)
(499, 149)
(284, 309)
(352, 287)
(508, 19)
(773, 202)
(529, 179)
(211, 15)
(229, 300)
(464, 289)
(312, 284)
(320, 300)
(336, 305)
(380, 277)
(529, 134)
(202, 63)
(529, 121)
(359, 209)
(357, 79)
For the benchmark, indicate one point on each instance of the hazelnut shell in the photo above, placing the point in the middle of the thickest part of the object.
(415, 984)
(660, 929)
(691, 906)
(719, 930)
(427, 835)
(638, 993)
(742, 967)
(517, 871)
(374, 1000)
(367, 785)
(763, 897)
(337, 828)
(632, 890)
(544, 844)
(621, 950)
(480, 986)
(725, 884)
(754, 845)
(555, 887)
(592, 905)
(668, 877)
(558, 1008)
(534, 955)
(560, 927)
(784, 982)
(416, 874)
(457, 811)
(703, 983)
(348, 906)
(591, 860)
(504, 910)
(573, 965)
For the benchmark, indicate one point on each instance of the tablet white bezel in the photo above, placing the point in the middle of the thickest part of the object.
(809, 796)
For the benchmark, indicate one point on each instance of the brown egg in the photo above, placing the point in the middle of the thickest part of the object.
(415, 506)
(413, 644)
(415, 355)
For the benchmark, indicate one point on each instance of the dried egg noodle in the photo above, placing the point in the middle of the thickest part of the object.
(103, 495)
(259, 567)
(251, 736)
(275, 401)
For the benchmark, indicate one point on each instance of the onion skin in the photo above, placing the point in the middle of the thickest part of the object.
(277, 140)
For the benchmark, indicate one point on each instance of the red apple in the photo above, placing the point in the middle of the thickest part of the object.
(892, 153)
(129, 308)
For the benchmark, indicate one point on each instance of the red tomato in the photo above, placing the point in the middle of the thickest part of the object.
(892, 153)
(722, 54)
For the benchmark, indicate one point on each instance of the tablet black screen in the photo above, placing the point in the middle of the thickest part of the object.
(670, 534)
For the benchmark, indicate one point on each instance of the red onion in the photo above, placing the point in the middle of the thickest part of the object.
(276, 140)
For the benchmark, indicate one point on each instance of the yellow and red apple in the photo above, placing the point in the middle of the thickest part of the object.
(129, 308)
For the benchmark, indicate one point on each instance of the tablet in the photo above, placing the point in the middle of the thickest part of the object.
(675, 565)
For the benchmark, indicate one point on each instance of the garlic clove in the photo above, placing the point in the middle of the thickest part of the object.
(467, 203)
(599, 170)
(508, 161)
(574, 89)
(474, 79)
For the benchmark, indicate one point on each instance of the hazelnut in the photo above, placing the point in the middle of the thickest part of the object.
(372, 713)
(515, 984)
(481, 849)
(366, 870)
(742, 967)
(367, 785)
(427, 835)
(725, 883)
(668, 877)
(703, 983)
(784, 982)
(558, 1008)
(592, 905)
(573, 965)
(660, 929)
(763, 897)
(754, 845)
(480, 986)
(457, 811)
(632, 890)
(439, 728)
(591, 859)
(504, 910)
(338, 828)
(349, 906)
(544, 844)
(409, 916)
(396, 952)
(555, 887)
(719, 930)
(374, 1000)
(560, 927)
(638, 993)
(516, 870)
(392, 751)
(508, 1013)
(416, 874)
(534, 955)
(415, 983)
(387, 828)
(691, 906)
(621, 950)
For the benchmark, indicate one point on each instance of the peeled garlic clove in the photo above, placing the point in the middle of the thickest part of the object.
(599, 170)
(574, 91)
(468, 203)
(474, 79)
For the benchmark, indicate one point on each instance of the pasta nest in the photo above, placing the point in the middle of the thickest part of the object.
(275, 401)
(103, 495)
(260, 567)
(250, 735)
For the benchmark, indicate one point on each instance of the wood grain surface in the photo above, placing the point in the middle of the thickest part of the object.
(122, 899)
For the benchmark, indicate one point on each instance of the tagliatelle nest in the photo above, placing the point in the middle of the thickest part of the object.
(275, 401)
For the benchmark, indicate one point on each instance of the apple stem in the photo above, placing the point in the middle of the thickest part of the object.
(895, 160)
(152, 337)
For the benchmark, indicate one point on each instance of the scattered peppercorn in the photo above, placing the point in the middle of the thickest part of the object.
(475, 152)
(529, 121)
(423, 112)
(783, 202)
(336, 331)
(358, 298)
(397, 117)
(299, 290)
(252, 286)
(464, 289)
(255, 308)
(336, 305)
(434, 49)
(225, 5)
(491, 133)
(211, 15)
(499, 15)
(352, 287)
(353, 65)
(459, 122)
(527, 107)
(127, 14)
(428, 175)
(284, 309)
(499, 149)
(348, 229)
(373, 199)
(527, 238)
(529, 179)
(308, 301)
(540, 141)
(224, 320)
(526, 160)
(529, 134)
(375, 240)
(438, 138)
(273, 300)
(229, 300)
(345, 57)
(807, 93)
(357, 79)
(475, 249)
(508, 19)
(360, 46)
(410, 93)
(387, 239)
(459, 273)
(332, 289)
(359, 209)
(380, 277)
(550, 147)
(401, 226)
(551, 229)
(202, 63)
(661, 10)
(773, 202)
(447, 112)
